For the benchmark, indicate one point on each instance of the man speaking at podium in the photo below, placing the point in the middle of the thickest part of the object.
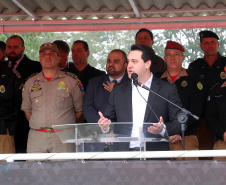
(125, 104)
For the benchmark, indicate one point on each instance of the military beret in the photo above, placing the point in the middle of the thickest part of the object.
(208, 34)
(174, 45)
(49, 45)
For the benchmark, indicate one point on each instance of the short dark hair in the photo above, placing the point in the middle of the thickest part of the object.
(17, 37)
(145, 30)
(147, 52)
(62, 45)
(3, 46)
(86, 46)
(123, 54)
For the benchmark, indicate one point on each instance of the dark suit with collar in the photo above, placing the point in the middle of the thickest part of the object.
(26, 68)
(119, 109)
(95, 99)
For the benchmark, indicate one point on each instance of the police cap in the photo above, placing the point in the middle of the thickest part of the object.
(207, 34)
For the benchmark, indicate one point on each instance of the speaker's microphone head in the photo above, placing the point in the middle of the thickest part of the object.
(134, 76)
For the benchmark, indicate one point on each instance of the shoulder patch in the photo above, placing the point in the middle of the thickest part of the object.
(30, 76)
(79, 83)
(17, 73)
(71, 74)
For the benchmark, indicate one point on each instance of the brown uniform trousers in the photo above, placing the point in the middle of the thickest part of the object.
(7, 144)
(191, 143)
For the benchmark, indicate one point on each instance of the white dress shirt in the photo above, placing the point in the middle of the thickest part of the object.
(139, 109)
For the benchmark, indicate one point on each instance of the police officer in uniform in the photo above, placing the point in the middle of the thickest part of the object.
(216, 117)
(212, 64)
(11, 84)
(190, 90)
(211, 69)
(51, 97)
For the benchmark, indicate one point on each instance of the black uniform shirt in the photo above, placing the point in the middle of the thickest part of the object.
(190, 90)
(11, 85)
(215, 113)
(87, 73)
(211, 75)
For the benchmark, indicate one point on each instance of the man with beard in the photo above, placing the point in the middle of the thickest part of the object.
(18, 60)
(84, 71)
(99, 88)
(26, 67)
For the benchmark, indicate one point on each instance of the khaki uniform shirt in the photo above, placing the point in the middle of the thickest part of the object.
(53, 102)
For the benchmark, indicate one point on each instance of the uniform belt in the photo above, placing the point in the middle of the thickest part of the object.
(48, 130)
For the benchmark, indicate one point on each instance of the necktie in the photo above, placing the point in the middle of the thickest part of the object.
(115, 81)
(12, 65)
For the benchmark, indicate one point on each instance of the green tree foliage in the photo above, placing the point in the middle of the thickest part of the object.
(102, 42)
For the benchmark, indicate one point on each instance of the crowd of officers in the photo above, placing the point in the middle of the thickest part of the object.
(36, 95)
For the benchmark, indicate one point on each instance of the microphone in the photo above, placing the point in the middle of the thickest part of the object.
(134, 77)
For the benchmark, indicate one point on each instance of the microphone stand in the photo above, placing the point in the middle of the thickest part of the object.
(182, 117)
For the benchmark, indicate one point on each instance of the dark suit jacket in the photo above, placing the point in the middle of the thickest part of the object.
(27, 67)
(96, 98)
(119, 109)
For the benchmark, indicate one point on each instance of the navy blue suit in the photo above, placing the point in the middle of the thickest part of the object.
(119, 109)
(95, 100)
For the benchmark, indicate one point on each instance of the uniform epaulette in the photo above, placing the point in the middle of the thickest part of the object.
(71, 74)
(17, 73)
(30, 76)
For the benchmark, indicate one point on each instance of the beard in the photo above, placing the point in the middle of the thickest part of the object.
(113, 72)
(14, 57)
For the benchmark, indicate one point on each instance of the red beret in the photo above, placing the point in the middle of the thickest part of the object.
(174, 45)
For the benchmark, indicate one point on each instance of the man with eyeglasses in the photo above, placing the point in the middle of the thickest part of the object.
(64, 50)
(51, 97)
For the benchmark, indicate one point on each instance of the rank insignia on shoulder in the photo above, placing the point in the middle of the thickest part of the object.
(223, 75)
(79, 83)
(199, 85)
(72, 75)
(17, 73)
(184, 83)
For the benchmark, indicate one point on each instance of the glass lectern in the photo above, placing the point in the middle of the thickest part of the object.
(91, 134)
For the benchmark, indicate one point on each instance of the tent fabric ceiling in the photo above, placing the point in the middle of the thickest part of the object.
(97, 15)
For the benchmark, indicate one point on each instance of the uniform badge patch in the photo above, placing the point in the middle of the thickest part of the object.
(223, 75)
(2, 89)
(184, 83)
(61, 87)
(36, 86)
(199, 85)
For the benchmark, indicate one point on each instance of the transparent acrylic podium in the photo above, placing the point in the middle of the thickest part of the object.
(119, 132)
